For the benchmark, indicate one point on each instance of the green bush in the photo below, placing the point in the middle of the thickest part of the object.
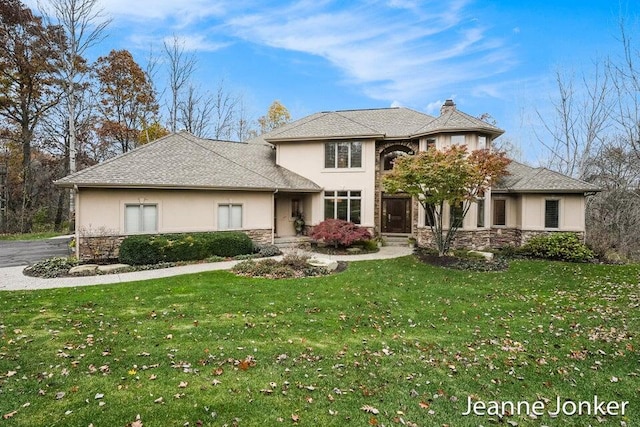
(557, 246)
(153, 249)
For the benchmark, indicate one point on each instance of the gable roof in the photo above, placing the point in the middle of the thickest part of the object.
(453, 120)
(527, 179)
(390, 123)
(182, 160)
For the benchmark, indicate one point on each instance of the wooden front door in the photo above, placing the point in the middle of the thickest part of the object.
(396, 215)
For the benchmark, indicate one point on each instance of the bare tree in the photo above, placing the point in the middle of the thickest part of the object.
(580, 118)
(625, 76)
(242, 128)
(181, 68)
(196, 111)
(84, 24)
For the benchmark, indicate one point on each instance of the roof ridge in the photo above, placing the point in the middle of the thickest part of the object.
(290, 125)
(228, 159)
(358, 123)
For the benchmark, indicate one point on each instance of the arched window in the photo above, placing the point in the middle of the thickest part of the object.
(391, 154)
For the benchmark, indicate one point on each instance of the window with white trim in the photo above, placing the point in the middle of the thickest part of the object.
(482, 142)
(551, 213)
(140, 218)
(343, 155)
(346, 205)
(457, 140)
(229, 217)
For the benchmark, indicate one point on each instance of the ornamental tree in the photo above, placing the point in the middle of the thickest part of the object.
(439, 177)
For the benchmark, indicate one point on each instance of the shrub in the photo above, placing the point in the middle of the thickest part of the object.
(52, 267)
(153, 249)
(557, 246)
(267, 250)
(140, 250)
(291, 266)
(229, 243)
(337, 232)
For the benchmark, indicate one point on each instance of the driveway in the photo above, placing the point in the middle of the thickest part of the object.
(14, 253)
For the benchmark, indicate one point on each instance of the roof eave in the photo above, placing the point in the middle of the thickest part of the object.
(324, 138)
(544, 190)
(121, 186)
(495, 132)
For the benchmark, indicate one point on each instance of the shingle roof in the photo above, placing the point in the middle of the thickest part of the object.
(374, 123)
(390, 123)
(453, 120)
(526, 179)
(184, 161)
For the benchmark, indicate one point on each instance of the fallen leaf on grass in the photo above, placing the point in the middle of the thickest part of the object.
(9, 415)
(183, 384)
(295, 418)
(370, 409)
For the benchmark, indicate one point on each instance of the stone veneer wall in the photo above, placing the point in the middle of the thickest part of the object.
(485, 239)
(108, 247)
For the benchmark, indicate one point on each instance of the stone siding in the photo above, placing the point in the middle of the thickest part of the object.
(108, 247)
(262, 236)
(486, 239)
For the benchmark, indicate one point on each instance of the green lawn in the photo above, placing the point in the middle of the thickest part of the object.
(383, 343)
(31, 236)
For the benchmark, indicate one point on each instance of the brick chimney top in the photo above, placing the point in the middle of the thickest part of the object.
(448, 105)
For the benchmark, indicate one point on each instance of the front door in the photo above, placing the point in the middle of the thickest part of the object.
(396, 215)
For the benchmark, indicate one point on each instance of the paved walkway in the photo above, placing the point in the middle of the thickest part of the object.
(12, 279)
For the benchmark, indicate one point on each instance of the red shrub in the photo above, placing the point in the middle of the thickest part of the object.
(338, 232)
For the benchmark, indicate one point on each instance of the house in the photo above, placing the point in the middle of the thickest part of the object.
(326, 165)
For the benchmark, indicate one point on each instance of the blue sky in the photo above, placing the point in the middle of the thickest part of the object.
(496, 57)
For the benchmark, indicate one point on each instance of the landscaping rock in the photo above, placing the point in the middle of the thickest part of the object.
(111, 267)
(329, 264)
(84, 268)
(354, 251)
(487, 255)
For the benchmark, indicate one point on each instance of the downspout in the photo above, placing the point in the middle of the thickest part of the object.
(76, 195)
(273, 212)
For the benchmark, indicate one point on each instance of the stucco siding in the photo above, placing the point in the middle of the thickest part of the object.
(178, 210)
(571, 216)
(307, 159)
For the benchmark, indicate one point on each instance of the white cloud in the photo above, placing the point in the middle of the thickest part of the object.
(392, 50)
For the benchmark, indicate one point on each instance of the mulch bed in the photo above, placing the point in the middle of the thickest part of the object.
(461, 263)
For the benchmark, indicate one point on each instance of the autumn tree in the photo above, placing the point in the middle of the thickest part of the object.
(30, 55)
(127, 97)
(453, 177)
(277, 115)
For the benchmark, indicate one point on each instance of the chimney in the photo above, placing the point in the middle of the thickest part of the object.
(448, 105)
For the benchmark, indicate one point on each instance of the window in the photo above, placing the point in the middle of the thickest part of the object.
(457, 139)
(431, 144)
(480, 221)
(455, 215)
(551, 213)
(482, 142)
(500, 212)
(390, 157)
(141, 218)
(429, 215)
(295, 208)
(343, 155)
(229, 217)
(344, 205)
